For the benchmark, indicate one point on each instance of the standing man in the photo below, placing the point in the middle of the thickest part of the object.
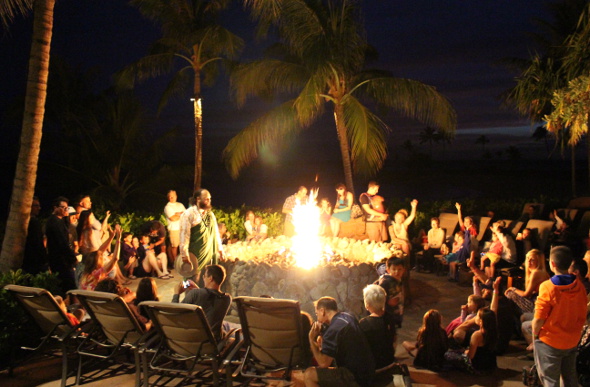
(375, 220)
(298, 198)
(200, 241)
(35, 256)
(343, 341)
(62, 259)
(560, 314)
(172, 211)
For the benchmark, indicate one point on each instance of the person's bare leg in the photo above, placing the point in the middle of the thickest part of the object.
(153, 264)
(163, 259)
(335, 226)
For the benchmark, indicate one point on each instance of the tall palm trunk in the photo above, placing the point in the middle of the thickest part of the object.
(198, 112)
(588, 150)
(26, 168)
(344, 146)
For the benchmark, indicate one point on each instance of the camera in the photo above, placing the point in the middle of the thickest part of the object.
(186, 284)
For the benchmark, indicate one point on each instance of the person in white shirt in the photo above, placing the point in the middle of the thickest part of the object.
(172, 211)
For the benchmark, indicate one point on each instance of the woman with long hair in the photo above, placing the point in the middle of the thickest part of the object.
(95, 268)
(431, 342)
(147, 290)
(342, 208)
(90, 231)
(535, 273)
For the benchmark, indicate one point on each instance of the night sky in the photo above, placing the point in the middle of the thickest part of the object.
(455, 45)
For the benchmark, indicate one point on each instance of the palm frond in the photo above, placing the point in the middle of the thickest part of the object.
(413, 99)
(178, 84)
(9, 9)
(265, 76)
(271, 130)
(366, 134)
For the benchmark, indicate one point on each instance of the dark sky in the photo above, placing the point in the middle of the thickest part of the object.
(454, 45)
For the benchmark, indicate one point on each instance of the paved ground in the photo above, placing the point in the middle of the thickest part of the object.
(429, 291)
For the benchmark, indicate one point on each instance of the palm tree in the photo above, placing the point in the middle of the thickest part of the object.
(26, 168)
(192, 46)
(321, 60)
(544, 74)
(483, 140)
(429, 135)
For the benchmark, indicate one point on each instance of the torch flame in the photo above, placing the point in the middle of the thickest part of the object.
(306, 244)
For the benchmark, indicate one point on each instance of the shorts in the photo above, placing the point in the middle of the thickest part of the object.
(174, 237)
(336, 377)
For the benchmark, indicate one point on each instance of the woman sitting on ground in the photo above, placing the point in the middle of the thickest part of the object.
(431, 343)
(535, 273)
(342, 208)
(95, 268)
(380, 334)
(398, 231)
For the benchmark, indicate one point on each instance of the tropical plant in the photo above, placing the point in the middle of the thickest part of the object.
(429, 135)
(15, 325)
(320, 59)
(564, 42)
(23, 188)
(192, 46)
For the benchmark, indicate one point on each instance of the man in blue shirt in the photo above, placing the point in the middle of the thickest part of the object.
(343, 341)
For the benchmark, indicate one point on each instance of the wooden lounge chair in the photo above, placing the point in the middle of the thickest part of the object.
(55, 325)
(187, 341)
(274, 336)
(116, 330)
(542, 228)
(448, 222)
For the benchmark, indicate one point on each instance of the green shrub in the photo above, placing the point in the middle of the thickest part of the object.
(16, 327)
(234, 220)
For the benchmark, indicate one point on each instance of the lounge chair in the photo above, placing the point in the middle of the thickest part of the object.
(116, 330)
(275, 338)
(55, 325)
(448, 222)
(542, 228)
(187, 341)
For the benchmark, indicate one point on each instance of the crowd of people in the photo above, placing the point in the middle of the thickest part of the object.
(550, 304)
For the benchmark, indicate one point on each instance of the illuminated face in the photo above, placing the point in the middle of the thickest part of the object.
(135, 242)
(468, 222)
(301, 193)
(434, 224)
(526, 233)
(397, 271)
(533, 261)
(250, 216)
(205, 200)
(86, 203)
(373, 190)
(471, 306)
(399, 218)
(145, 240)
(172, 197)
(321, 315)
(128, 239)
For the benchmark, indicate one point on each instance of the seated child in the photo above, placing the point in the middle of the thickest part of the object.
(460, 329)
(458, 256)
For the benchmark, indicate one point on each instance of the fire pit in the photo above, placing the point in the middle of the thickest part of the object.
(344, 267)
(306, 266)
